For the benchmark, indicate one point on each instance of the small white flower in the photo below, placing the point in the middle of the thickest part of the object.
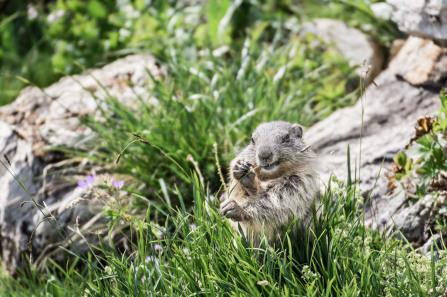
(108, 270)
(124, 33)
(60, 13)
(32, 12)
(55, 16)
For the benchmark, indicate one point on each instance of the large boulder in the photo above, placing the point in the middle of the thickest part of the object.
(423, 18)
(390, 112)
(408, 89)
(40, 119)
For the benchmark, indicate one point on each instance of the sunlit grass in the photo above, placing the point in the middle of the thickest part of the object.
(199, 253)
(216, 90)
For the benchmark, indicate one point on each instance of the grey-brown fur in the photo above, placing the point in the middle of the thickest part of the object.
(272, 197)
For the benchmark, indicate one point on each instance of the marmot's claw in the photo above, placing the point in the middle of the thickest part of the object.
(241, 171)
(230, 209)
(247, 166)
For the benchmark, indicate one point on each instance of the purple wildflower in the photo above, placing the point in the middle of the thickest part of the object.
(150, 259)
(158, 247)
(86, 184)
(210, 198)
(118, 185)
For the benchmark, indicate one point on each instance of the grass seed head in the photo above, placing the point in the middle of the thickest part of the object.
(118, 159)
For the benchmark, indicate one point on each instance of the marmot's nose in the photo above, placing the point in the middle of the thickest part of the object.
(265, 155)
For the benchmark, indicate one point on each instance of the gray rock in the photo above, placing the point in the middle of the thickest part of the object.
(41, 119)
(423, 18)
(421, 62)
(382, 10)
(390, 112)
(437, 241)
(409, 220)
(349, 43)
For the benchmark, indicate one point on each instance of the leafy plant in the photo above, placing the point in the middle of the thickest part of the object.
(405, 166)
(425, 159)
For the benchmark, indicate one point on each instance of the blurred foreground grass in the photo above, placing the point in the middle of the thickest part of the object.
(42, 40)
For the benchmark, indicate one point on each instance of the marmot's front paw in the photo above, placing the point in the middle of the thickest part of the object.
(232, 210)
(242, 172)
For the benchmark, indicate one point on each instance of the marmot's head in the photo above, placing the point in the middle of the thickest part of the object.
(277, 146)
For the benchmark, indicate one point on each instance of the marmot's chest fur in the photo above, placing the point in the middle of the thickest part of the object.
(272, 181)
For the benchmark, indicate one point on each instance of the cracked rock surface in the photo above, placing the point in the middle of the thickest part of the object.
(40, 119)
(390, 112)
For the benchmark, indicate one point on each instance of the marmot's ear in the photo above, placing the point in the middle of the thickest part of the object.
(296, 130)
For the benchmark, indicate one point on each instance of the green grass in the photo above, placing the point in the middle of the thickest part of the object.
(205, 100)
(268, 72)
(42, 41)
(198, 253)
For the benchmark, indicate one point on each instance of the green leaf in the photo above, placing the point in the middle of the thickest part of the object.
(96, 9)
(399, 176)
(401, 159)
(76, 5)
(443, 98)
(409, 166)
(140, 4)
(423, 147)
(216, 10)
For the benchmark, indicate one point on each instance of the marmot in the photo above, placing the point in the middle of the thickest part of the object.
(273, 180)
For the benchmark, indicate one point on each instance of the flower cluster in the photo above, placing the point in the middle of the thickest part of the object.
(87, 185)
(308, 275)
(397, 267)
(110, 193)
